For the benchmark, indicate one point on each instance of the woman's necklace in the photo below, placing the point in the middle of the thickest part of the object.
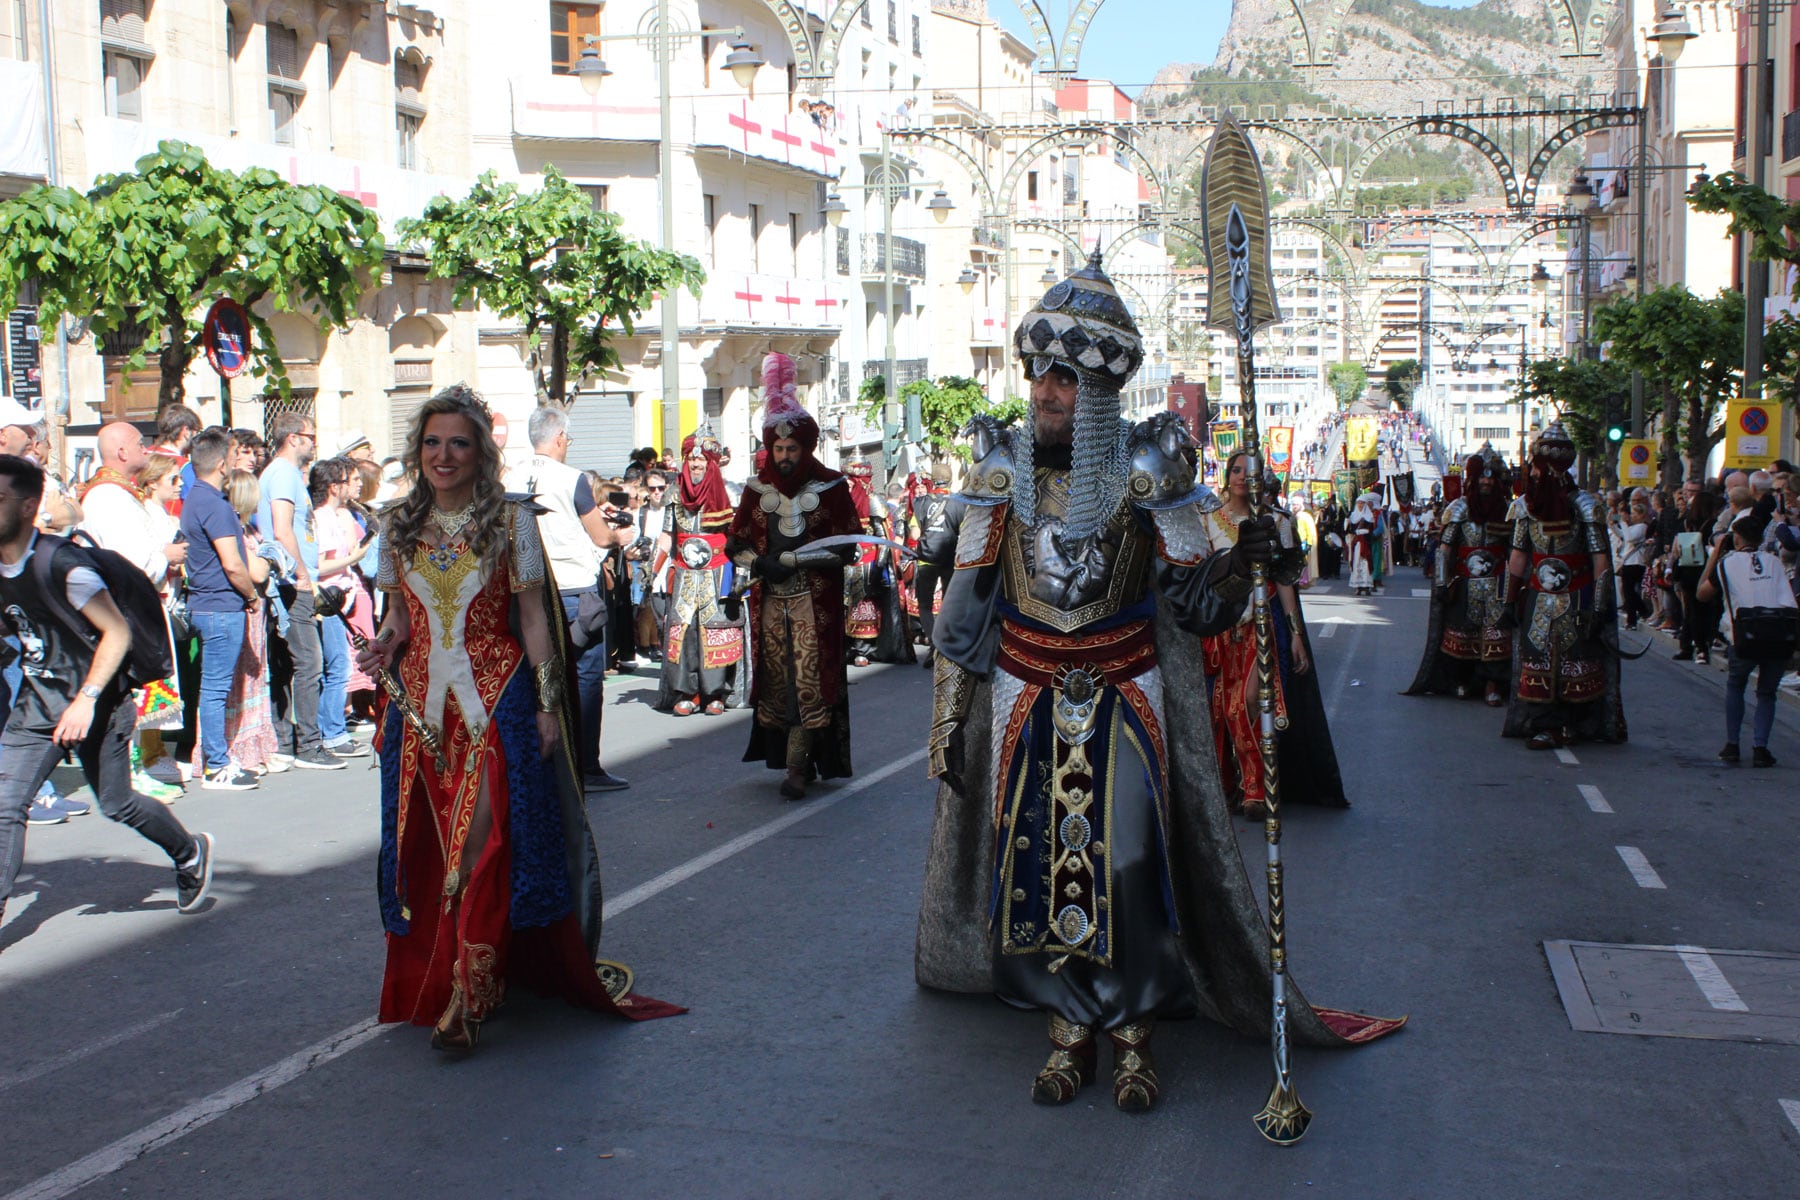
(453, 523)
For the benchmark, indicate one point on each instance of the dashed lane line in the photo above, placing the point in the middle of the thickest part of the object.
(1640, 867)
(1792, 1109)
(1566, 757)
(1595, 801)
(1328, 629)
(1713, 985)
(158, 1134)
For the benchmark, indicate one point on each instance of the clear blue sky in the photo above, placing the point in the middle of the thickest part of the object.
(1129, 40)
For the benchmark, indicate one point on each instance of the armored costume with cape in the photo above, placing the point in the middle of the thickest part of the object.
(874, 622)
(1466, 643)
(706, 663)
(1082, 857)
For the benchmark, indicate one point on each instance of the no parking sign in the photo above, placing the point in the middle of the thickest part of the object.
(1637, 460)
(1750, 434)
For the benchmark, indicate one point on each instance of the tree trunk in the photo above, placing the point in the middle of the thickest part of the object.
(176, 354)
(559, 364)
(1697, 444)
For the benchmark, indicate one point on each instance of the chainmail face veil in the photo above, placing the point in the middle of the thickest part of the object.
(1082, 326)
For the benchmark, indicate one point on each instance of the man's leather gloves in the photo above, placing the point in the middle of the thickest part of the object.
(1255, 545)
(770, 568)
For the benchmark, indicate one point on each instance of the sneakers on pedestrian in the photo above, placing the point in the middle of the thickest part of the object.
(146, 784)
(193, 878)
(1729, 754)
(229, 778)
(347, 749)
(278, 763)
(68, 806)
(318, 759)
(165, 770)
(1760, 757)
(358, 724)
(603, 781)
(41, 813)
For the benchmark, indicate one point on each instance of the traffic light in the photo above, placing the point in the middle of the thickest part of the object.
(1615, 433)
(890, 444)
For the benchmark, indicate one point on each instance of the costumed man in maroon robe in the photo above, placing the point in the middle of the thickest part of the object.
(703, 666)
(800, 690)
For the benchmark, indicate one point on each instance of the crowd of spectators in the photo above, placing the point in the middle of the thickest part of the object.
(237, 534)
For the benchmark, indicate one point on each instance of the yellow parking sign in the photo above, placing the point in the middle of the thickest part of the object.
(1637, 462)
(1752, 433)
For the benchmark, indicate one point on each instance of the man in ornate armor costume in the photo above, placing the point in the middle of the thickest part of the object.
(800, 690)
(1565, 671)
(928, 503)
(1082, 856)
(874, 626)
(704, 661)
(1466, 645)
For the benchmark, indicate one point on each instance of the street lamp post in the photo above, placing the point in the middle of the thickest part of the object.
(743, 63)
(892, 184)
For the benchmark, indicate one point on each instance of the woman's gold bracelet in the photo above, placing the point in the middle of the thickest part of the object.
(549, 686)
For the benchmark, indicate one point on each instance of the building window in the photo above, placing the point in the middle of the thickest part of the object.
(894, 21)
(124, 78)
(231, 50)
(409, 107)
(570, 27)
(1031, 185)
(125, 56)
(863, 13)
(709, 212)
(596, 194)
(918, 38)
(755, 237)
(794, 233)
(285, 89)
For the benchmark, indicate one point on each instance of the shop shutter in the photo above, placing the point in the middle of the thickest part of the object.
(600, 432)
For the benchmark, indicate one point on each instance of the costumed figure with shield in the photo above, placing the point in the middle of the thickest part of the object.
(1467, 647)
(874, 625)
(706, 665)
(1561, 605)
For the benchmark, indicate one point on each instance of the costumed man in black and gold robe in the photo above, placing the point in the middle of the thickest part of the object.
(1082, 855)
(799, 690)
(1467, 647)
(1565, 668)
(874, 625)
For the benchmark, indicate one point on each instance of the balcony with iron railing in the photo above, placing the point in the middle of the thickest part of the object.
(906, 370)
(908, 256)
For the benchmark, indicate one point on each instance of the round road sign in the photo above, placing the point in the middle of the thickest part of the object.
(226, 337)
(1640, 455)
(1753, 420)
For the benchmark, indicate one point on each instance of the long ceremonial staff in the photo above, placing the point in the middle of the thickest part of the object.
(330, 603)
(1235, 217)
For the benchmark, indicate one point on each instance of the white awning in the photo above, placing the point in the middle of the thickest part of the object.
(22, 120)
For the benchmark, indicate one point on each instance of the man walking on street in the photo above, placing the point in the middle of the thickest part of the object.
(74, 695)
(296, 663)
(576, 532)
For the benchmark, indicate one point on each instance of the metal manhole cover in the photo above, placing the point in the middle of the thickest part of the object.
(1678, 991)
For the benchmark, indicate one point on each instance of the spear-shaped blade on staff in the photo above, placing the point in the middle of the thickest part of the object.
(1234, 214)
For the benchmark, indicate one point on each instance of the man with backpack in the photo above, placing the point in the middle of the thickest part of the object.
(1762, 625)
(78, 659)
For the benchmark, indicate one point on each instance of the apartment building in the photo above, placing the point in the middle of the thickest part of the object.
(370, 99)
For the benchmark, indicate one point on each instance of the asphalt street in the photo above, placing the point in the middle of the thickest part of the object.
(230, 1053)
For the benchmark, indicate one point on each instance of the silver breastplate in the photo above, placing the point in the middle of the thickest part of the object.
(1066, 583)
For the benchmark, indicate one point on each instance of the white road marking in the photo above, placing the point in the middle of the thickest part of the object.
(1713, 985)
(737, 845)
(158, 1134)
(1595, 800)
(49, 1065)
(1792, 1109)
(1421, 593)
(1640, 867)
(179, 1124)
(1566, 757)
(1328, 629)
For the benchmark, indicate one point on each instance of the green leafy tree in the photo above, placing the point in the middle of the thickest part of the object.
(1402, 380)
(1590, 393)
(945, 406)
(1691, 351)
(549, 260)
(152, 250)
(1346, 381)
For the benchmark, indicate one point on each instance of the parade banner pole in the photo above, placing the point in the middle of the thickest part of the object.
(1241, 297)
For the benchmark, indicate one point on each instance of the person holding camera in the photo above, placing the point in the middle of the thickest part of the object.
(577, 532)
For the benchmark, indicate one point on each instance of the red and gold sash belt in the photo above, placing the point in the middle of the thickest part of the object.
(1039, 656)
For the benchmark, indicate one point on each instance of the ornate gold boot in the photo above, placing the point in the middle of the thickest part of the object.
(1071, 1066)
(454, 1030)
(1135, 1088)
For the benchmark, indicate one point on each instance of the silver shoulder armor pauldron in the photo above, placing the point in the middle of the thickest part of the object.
(1161, 476)
(991, 474)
